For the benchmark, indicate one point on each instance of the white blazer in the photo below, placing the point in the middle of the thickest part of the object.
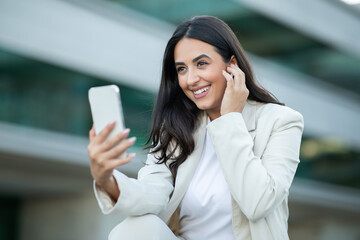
(258, 151)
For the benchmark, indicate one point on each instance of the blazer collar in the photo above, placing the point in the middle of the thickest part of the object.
(248, 114)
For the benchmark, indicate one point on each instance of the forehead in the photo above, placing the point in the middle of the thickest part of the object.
(188, 48)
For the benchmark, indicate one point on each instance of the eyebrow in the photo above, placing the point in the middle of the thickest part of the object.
(194, 60)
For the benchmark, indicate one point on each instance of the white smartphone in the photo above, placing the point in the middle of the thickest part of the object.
(105, 105)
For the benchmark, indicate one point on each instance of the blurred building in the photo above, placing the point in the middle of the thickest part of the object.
(52, 51)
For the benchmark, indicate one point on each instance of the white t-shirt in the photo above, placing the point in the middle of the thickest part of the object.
(205, 211)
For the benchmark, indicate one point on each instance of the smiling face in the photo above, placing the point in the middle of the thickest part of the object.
(199, 67)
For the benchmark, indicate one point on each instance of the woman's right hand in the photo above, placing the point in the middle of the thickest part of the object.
(105, 156)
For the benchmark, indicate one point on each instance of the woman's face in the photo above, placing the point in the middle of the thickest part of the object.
(199, 68)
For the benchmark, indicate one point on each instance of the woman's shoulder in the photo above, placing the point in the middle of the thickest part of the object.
(276, 112)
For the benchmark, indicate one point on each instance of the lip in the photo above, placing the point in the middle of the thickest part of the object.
(201, 95)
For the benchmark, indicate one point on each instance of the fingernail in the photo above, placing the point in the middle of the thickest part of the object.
(112, 123)
(132, 139)
(125, 131)
(132, 155)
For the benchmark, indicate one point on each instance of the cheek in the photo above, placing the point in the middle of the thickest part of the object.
(214, 74)
(184, 87)
(182, 83)
(217, 78)
(220, 86)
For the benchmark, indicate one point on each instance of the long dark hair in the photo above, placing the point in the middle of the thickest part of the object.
(175, 115)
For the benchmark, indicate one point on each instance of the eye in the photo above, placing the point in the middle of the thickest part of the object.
(201, 63)
(180, 69)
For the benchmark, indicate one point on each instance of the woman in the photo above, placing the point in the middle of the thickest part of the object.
(223, 155)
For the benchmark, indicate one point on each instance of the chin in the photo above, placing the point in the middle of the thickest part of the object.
(202, 107)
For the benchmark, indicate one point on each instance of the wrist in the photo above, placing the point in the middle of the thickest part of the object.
(104, 183)
(111, 187)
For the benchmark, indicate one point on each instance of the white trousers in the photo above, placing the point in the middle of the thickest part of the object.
(146, 227)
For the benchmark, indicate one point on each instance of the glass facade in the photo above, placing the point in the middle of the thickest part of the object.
(41, 95)
(264, 37)
(329, 160)
(9, 217)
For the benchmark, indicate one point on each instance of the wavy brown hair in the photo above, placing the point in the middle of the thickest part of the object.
(175, 115)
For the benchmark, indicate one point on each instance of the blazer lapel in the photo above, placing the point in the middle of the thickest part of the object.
(249, 116)
(187, 169)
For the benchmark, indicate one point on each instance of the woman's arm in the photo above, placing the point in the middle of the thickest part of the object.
(150, 193)
(258, 185)
(116, 191)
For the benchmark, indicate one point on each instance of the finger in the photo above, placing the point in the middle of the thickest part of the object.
(104, 133)
(229, 78)
(239, 75)
(92, 134)
(121, 161)
(109, 143)
(120, 148)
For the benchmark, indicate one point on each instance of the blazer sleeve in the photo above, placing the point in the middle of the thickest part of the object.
(150, 193)
(258, 184)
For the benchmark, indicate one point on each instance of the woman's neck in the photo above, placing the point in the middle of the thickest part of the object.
(213, 114)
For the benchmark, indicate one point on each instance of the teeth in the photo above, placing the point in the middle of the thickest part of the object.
(201, 90)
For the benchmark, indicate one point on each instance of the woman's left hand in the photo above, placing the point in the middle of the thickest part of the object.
(236, 93)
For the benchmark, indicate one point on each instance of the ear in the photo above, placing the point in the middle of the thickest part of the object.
(233, 60)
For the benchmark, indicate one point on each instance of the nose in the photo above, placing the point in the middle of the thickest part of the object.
(193, 77)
